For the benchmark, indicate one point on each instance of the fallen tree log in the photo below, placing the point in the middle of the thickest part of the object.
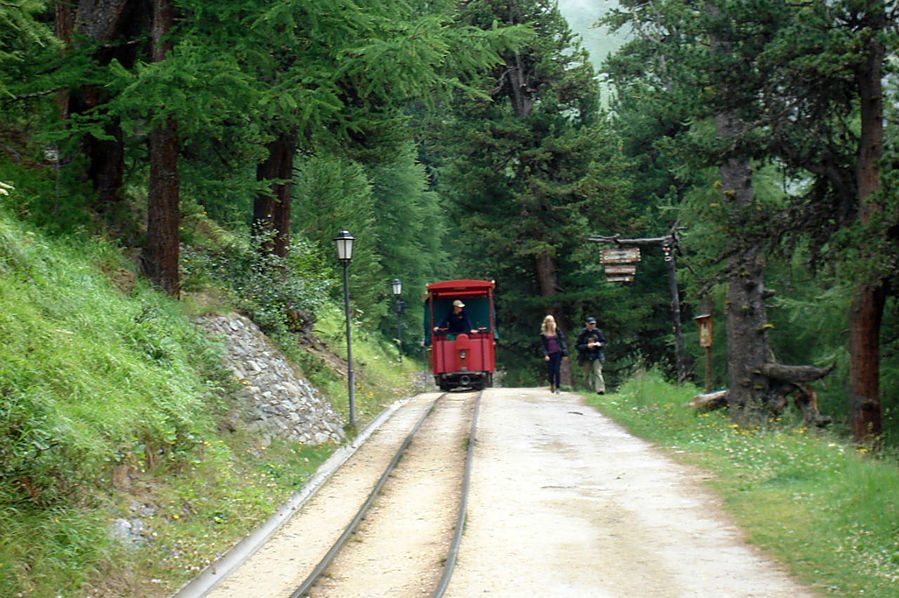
(709, 401)
(806, 400)
(783, 381)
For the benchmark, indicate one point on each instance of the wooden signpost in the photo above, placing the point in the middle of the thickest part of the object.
(705, 341)
(627, 255)
(619, 263)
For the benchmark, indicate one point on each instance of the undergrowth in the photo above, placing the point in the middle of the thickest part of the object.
(826, 508)
(117, 475)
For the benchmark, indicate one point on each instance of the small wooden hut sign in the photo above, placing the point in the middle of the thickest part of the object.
(620, 263)
(705, 329)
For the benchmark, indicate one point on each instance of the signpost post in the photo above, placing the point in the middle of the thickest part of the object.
(705, 337)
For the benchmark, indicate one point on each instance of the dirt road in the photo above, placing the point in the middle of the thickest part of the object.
(567, 504)
(563, 504)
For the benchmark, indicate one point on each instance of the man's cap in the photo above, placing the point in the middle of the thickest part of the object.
(591, 320)
(458, 303)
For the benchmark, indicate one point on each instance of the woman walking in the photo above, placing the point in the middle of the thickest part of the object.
(554, 350)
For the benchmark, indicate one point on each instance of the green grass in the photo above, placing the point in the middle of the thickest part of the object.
(827, 509)
(384, 379)
(110, 408)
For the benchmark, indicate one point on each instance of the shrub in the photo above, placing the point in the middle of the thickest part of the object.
(276, 293)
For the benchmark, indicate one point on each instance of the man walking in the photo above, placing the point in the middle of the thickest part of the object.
(590, 343)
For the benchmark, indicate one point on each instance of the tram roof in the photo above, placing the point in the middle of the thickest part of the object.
(459, 288)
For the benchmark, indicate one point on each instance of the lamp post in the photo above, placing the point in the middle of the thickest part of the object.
(397, 292)
(344, 241)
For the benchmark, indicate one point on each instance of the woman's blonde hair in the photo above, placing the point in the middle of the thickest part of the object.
(549, 325)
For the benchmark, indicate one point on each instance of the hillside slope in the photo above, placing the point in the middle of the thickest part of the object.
(123, 470)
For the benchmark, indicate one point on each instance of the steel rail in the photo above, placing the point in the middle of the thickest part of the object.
(450, 564)
(303, 588)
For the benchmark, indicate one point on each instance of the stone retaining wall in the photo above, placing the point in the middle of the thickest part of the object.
(280, 403)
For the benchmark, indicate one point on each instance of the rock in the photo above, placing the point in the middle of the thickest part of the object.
(128, 532)
(289, 407)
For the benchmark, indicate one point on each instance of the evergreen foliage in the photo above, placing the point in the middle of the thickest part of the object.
(333, 194)
(453, 141)
(23, 30)
(793, 74)
(410, 228)
(528, 174)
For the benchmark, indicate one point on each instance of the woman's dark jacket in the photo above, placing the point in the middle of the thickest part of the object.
(560, 337)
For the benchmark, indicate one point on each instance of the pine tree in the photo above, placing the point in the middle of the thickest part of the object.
(783, 82)
(525, 176)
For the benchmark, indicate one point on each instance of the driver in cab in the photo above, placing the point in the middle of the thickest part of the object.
(456, 320)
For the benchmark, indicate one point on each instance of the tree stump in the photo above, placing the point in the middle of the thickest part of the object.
(783, 381)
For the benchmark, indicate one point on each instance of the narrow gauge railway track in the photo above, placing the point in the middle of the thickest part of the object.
(393, 544)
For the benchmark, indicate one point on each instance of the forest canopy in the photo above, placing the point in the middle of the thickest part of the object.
(228, 144)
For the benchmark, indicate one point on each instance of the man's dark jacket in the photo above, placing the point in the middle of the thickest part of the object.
(583, 353)
(456, 322)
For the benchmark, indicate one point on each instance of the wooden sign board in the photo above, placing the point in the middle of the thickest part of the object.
(619, 278)
(705, 330)
(627, 255)
(627, 270)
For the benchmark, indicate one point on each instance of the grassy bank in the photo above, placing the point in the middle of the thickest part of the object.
(111, 404)
(827, 509)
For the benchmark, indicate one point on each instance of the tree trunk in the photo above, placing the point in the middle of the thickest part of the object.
(160, 257)
(866, 310)
(747, 320)
(547, 277)
(104, 22)
(746, 324)
(521, 95)
(671, 267)
(107, 168)
(865, 314)
(548, 281)
(271, 212)
(64, 29)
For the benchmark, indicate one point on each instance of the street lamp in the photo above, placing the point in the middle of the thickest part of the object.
(397, 292)
(344, 241)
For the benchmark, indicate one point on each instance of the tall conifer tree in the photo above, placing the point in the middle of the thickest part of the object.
(786, 83)
(525, 181)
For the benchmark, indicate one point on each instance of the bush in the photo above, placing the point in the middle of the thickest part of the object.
(276, 293)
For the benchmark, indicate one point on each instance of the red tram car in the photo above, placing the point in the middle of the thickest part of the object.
(461, 359)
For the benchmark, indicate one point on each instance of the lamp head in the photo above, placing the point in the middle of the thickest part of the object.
(344, 241)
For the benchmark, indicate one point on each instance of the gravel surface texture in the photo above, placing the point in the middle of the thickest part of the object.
(563, 504)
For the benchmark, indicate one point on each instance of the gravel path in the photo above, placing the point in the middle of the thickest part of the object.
(564, 504)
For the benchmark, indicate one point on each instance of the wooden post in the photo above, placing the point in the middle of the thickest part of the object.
(668, 249)
(704, 320)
